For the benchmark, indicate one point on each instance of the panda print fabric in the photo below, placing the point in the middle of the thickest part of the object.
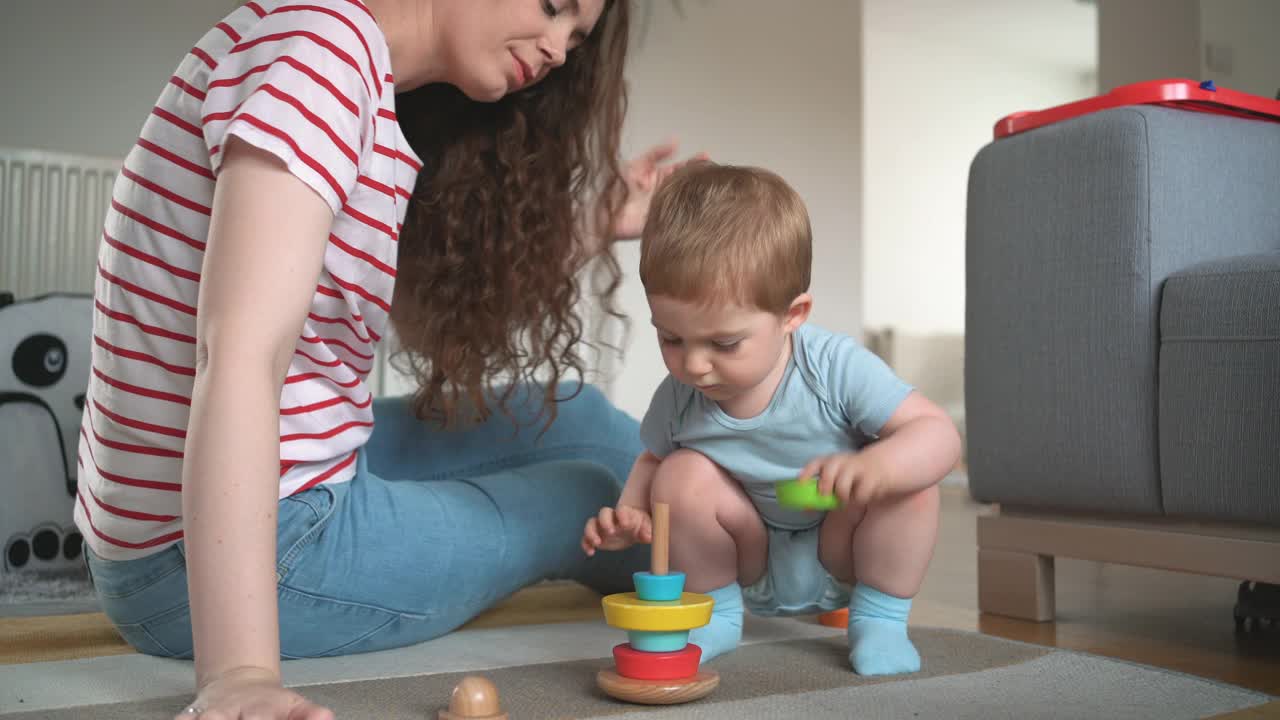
(44, 372)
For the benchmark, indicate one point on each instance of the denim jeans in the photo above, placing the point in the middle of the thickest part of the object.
(435, 527)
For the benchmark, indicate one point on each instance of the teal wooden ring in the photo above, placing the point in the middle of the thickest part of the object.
(651, 641)
(658, 588)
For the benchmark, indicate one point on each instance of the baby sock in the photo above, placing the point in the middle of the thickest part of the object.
(724, 632)
(878, 643)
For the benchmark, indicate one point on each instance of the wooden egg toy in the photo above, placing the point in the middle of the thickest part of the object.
(658, 665)
(474, 698)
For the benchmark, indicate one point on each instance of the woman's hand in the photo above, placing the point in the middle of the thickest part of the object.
(643, 175)
(251, 693)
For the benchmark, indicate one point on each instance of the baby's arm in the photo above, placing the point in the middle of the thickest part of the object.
(616, 528)
(635, 493)
(621, 527)
(918, 446)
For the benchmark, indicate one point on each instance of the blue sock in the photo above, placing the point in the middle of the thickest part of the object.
(878, 643)
(724, 632)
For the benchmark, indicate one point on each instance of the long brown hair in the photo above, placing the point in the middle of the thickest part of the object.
(493, 242)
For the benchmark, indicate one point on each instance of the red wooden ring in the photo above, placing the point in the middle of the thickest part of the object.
(639, 665)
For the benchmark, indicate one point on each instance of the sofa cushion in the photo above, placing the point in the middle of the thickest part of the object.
(1220, 390)
(1072, 229)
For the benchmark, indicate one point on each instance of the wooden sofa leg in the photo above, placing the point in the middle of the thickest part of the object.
(1016, 584)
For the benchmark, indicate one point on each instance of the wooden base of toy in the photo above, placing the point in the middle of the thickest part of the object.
(658, 692)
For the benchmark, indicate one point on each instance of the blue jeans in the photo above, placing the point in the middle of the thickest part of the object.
(435, 527)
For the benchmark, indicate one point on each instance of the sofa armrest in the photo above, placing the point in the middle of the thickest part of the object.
(1071, 231)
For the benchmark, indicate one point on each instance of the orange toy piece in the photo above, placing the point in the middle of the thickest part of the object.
(474, 698)
(835, 618)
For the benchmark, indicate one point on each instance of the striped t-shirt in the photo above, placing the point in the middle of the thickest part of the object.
(309, 81)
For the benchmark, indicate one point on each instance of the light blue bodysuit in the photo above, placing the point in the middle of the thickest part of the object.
(835, 396)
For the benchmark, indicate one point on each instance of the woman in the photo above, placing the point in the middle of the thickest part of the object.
(243, 496)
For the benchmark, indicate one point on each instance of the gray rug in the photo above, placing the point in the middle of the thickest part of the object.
(966, 675)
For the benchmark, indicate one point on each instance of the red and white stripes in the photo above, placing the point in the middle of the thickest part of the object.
(310, 82)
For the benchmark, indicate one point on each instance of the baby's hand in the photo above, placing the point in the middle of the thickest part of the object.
(853, 479)
(617, 529)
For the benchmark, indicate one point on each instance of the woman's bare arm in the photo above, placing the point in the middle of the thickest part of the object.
(265, 251)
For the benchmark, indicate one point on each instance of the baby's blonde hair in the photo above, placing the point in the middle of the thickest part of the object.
(723, 233)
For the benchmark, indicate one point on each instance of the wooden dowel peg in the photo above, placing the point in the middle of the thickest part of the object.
(661, 539)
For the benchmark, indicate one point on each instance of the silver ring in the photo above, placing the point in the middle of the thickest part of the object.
(192, 710)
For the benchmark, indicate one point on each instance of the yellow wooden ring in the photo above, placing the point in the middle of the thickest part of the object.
(628, 612)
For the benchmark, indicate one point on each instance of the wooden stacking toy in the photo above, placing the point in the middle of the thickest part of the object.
(473, 698)
(658, 666)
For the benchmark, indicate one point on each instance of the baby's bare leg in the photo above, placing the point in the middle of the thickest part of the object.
(886, 549)
(717, 539)
(888, 546)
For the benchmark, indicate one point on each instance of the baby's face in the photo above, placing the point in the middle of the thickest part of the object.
(725, 351)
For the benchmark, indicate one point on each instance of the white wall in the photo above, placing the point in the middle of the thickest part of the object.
(81, 76)
(1147, 40)
(938, 74)
(755, 82)
(1243, 39)
(1232, 42)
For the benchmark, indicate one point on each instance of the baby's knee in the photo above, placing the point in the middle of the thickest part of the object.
(685, 477)
(928, 499)
(923, 504)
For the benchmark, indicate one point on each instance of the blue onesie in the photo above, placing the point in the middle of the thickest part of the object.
(835, 396)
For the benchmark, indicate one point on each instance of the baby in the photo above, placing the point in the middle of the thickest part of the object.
(754, 396)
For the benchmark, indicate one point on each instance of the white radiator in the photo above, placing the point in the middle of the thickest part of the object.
(52, 206)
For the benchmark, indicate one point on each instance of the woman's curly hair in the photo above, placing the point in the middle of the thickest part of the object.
(494, 239)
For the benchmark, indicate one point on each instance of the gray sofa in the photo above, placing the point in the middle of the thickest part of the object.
(1122, 377)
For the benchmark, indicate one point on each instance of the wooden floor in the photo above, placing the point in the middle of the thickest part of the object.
(1171, 620)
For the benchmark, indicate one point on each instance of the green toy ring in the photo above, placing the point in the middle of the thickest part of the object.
(802, 494)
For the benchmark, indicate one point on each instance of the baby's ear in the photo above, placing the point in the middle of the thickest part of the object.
(798, 313)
